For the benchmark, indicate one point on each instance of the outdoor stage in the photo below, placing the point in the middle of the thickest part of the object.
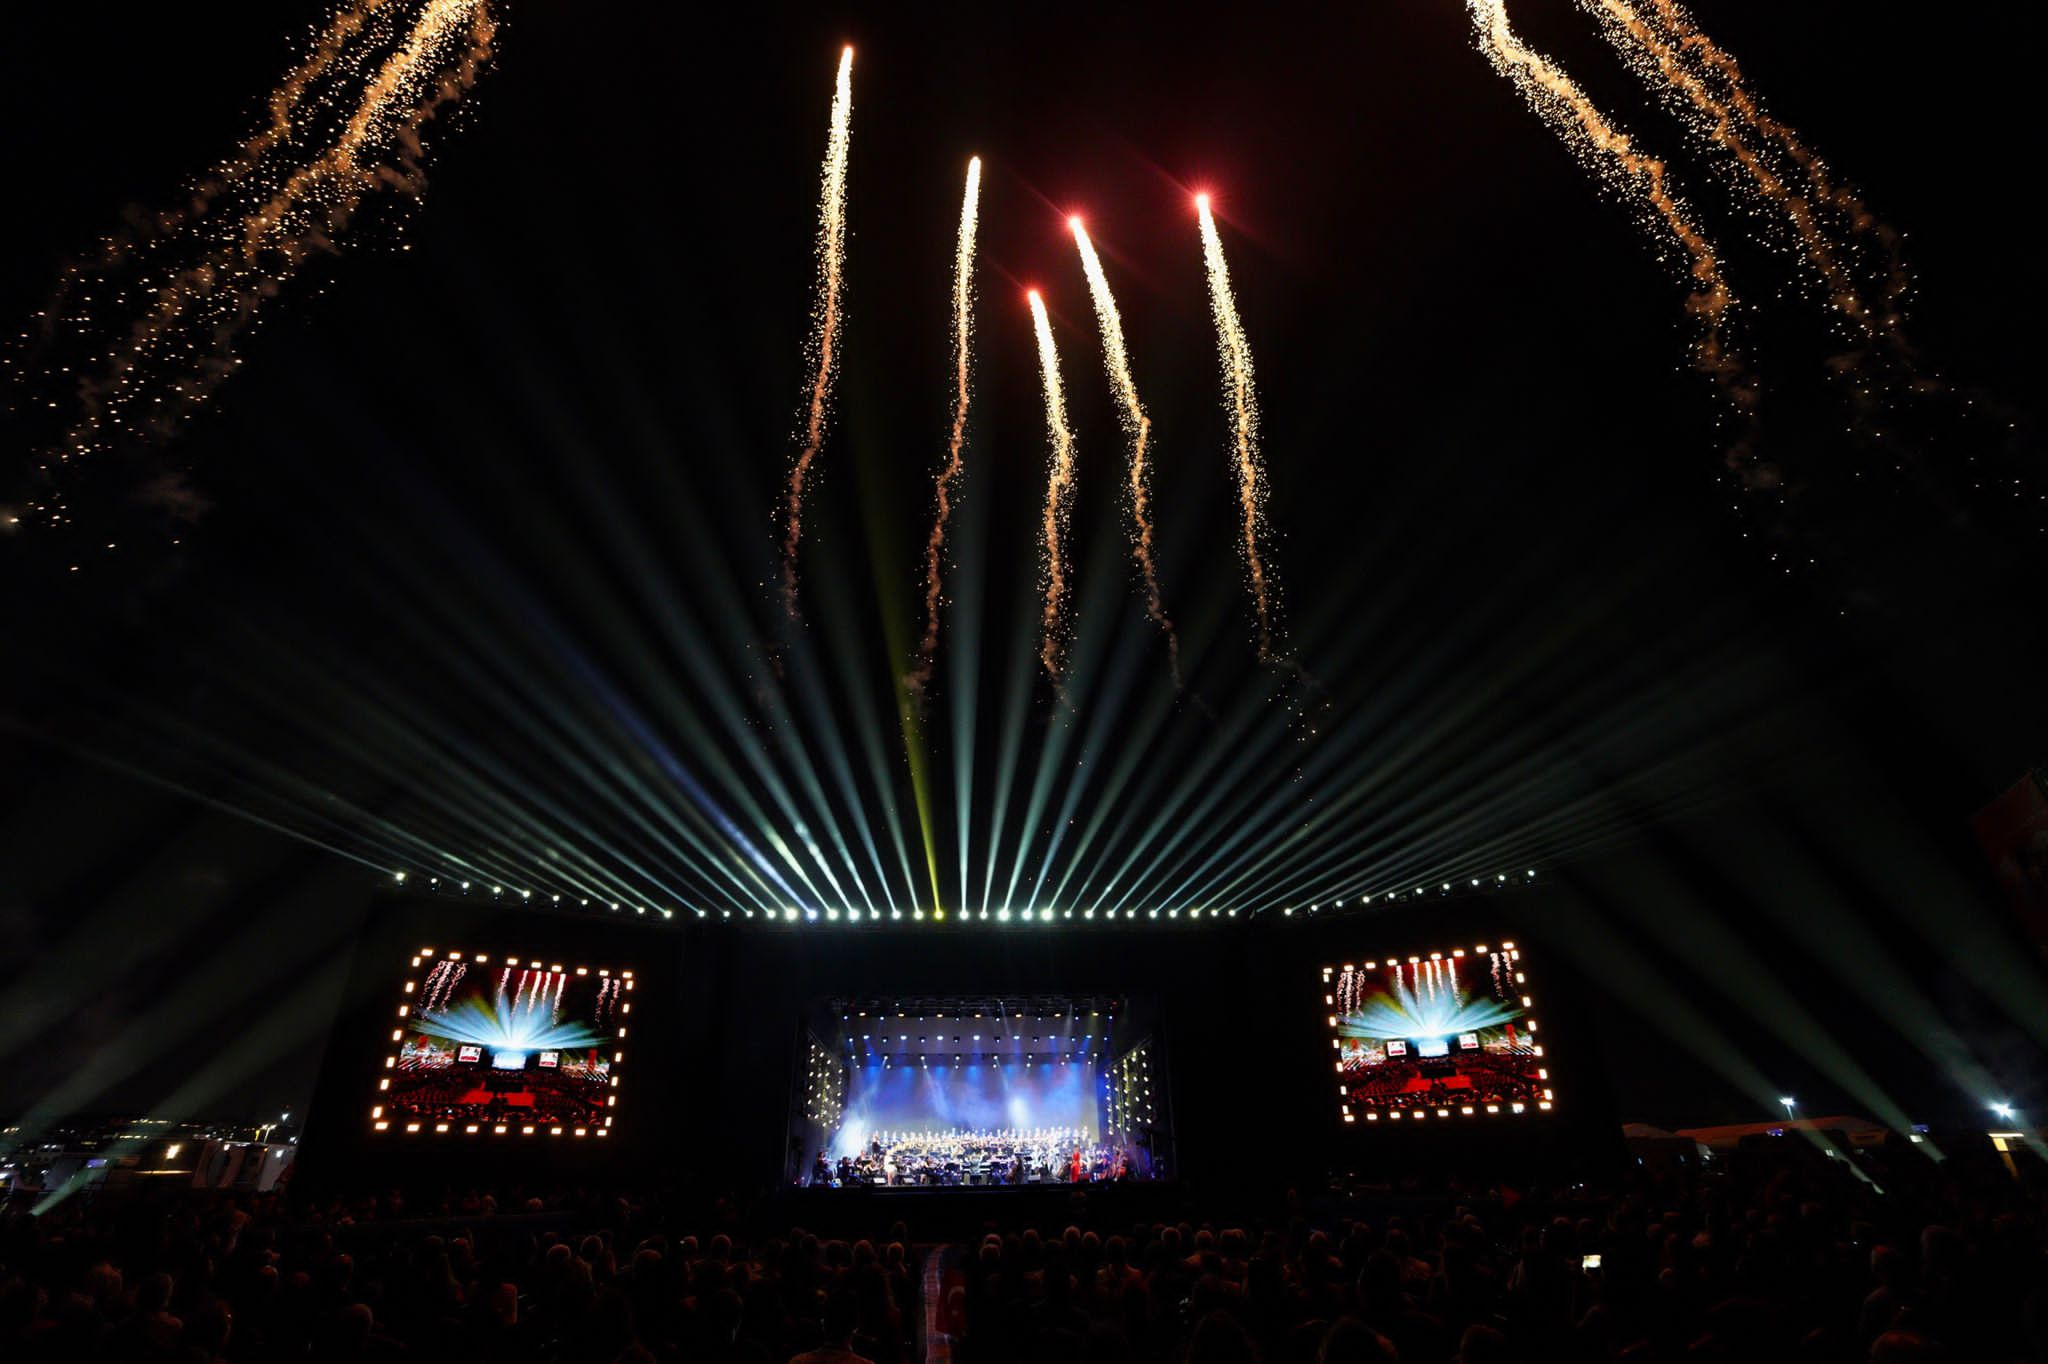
(951, 1062)
(931, 1092)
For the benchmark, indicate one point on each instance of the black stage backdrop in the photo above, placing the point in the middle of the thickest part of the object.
(705, 1092)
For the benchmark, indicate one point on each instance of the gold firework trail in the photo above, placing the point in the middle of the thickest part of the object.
(286, 223)
(284, 101)
(1661, 44)
(1241, 402)
(1823, 184)
(1058, 497)
(1611, 154)
(963, 346)
(825, 327)
(1138, 427)
(310, 89)
(376, 75)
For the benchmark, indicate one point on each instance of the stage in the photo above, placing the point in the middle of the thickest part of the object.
(919, 1093)
(713, 1056)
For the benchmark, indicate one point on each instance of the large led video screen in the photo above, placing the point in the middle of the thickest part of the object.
(1436, 1035)
(977, 1096)
(504, 1046)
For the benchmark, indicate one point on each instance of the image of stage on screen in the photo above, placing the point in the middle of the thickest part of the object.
(1441, 1035)
(980, 1091)
(504, 1046)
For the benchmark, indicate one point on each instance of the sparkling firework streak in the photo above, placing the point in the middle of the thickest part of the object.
(287, 223)
(1242, 404)
(1824, 187)
(286, 99)
(1138, 427)
(825, 326)
(963, 348)
(1058, 496)
(1671, 56)
(310, 89)
(1613, 155)
(145, 333)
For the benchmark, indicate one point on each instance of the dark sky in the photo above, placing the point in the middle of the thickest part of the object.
(488, 560)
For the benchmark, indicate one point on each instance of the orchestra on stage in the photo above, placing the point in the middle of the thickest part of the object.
(940, 1159)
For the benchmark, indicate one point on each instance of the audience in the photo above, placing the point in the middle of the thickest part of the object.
(1801, 1263)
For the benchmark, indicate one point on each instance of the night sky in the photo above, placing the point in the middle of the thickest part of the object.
(490, 532)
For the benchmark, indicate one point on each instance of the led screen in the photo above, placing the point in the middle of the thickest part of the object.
(504, 1046)
(1438, 1035)
(976, 1096)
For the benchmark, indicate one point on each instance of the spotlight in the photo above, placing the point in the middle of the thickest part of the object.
(2003, 1110)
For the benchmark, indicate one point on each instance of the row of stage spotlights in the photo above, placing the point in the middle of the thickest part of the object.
(792, 914)
(889, 1062)
(997, 1037)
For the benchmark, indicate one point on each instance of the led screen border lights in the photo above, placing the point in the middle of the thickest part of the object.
(382, 1125)
(1546, 1103)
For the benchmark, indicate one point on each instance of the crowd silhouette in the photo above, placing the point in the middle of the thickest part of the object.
(1791, 1259)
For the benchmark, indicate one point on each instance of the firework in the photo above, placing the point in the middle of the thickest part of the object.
(286, 222)
(963, 344)
(1241, 402)
(1138, 427)
(1611, 154)
(1672, 57)
(824, 345)
(1058, 497)
(1822, 185)
(143, 334)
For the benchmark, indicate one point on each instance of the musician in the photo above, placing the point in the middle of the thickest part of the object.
(821, 1172)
